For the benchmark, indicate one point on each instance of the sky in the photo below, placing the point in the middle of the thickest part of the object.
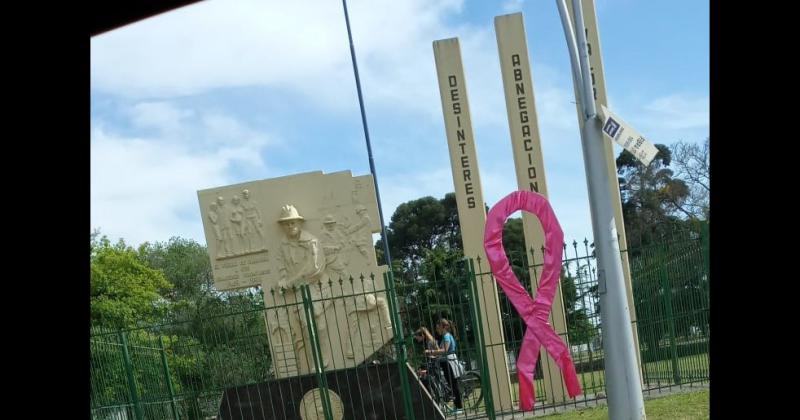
(230, 91)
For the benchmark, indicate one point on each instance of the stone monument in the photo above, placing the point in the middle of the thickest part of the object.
(310, 229)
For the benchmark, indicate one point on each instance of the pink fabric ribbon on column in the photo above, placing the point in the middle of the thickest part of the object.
(534, 312)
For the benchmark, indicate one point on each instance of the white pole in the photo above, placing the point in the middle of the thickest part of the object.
(623, 383)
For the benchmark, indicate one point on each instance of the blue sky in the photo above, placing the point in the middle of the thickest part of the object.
(228, 91)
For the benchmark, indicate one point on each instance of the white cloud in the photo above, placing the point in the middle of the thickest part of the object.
(679, 111)
(216, 44)
(162, 116)
(556, 108)
(511, 6)
(302, 49)
(144, 179)
(138, 187)
(397, 189)
(300, 46)
(669, 118)
(145, 188)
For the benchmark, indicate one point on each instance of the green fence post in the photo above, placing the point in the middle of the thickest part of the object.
(667, 286)
(308, 307)
(705, 242)
(168, 378)
(126, 357)
(400, 344)
(486, 383)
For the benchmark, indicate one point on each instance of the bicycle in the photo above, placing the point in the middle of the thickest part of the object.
(469, 383)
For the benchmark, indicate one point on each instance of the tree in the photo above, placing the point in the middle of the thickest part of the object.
(440, 291)
(211, 339)
(416, 226)
(649, 197)
(124, 291)
(661, 208)
(579, 328)
(692, 165)
(185, 264)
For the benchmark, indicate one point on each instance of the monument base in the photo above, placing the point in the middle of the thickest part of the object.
(365, 392)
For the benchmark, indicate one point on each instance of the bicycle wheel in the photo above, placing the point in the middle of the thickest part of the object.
(472, 394)
(436, 390)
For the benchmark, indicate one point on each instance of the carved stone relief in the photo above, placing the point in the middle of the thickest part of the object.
(310, 229)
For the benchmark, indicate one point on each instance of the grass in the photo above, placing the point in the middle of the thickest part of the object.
(686, 406)
(657, 373)
(691, 367)
(695, 365)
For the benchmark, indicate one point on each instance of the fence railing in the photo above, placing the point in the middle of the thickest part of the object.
(189, 369)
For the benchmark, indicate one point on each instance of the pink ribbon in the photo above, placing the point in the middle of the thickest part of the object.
(533, 311)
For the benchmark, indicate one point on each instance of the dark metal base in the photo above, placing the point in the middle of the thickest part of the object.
(366, 392)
